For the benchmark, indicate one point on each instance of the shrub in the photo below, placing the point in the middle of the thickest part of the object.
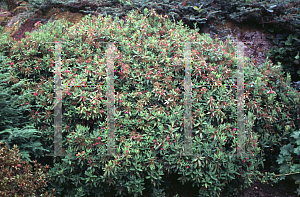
(15, 130)
(15, 127)
(16, 178)
(149, 76)
(288, 160)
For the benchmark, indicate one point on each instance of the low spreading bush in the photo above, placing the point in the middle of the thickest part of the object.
(149, 71)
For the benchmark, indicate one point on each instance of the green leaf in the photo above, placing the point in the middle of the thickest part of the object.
(62, 180)
(281, 50)
(287, 149)
(284, 169)
(288, 43)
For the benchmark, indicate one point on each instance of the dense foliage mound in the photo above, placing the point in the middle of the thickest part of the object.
(16, 178)
(149, 75)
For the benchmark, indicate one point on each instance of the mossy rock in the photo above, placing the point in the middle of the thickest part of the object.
(20, 9)
(149, 108)
(11, 30)
(4, 16)
(13, 23)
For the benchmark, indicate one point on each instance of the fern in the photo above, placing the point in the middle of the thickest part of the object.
(11, 114)
(25, 141)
